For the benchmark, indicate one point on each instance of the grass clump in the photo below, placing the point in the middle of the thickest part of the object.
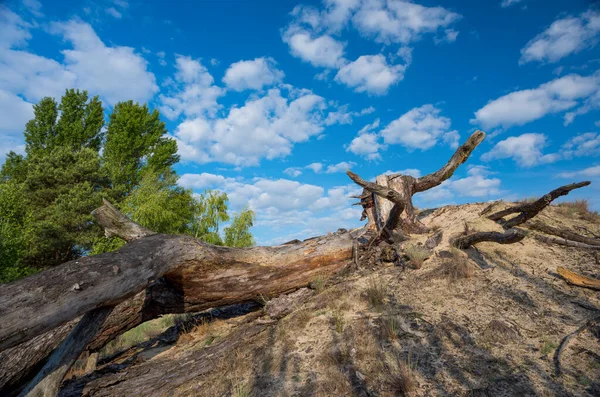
(547, 347)
(417, 255)
(377, 290)
(578, 209)
(337, 318)
(403, 380)
(457, 267)
(318, 284)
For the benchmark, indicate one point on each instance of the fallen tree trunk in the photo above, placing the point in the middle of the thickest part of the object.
(196, 276)
(48, 380)
(567, 243)
(566, 234)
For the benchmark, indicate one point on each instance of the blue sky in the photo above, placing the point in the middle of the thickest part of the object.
(272, 102)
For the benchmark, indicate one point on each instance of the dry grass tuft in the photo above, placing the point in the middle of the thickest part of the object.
(578, 209)
(417, 255)
(391, 327)
(456, 268)
(318, 284)
(403, 380)
(376, 292)
(337, 318)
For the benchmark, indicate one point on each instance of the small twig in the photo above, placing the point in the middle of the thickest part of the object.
(565, 342)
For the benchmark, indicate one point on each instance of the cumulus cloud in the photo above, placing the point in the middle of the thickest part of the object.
(478, 183)
(322, 51)
(339, 167)
(525, 150)
(524, 106)
(192, 92)
(314, 33)
(586, 144)
(420, 128)
(366, 145)
(400, 21)
(289, 208)
(315, 167)
(566, 36)
(371, 74)
(593, 171)
(293, 171)
(253, 75)
(409, 171)
(265, 126)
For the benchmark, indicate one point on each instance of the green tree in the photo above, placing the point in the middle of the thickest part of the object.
(211, 212)
(62, 189)
(238, 233)
(136, 141)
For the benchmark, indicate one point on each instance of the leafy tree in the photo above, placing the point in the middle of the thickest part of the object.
(136, 141)
(160, 205)
(211, 211)
(62, 189)
(14, 219)
(238, 233)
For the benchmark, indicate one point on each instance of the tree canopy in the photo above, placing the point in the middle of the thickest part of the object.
(72, 160)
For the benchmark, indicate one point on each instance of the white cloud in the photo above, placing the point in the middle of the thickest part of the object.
(34, 7)
(587, 144)
(568, 35)
(193, 92)
(420, 128)
(14, 31)
(340, 167)
(284, 208)
(521, 107)
(370, 73)
(316, 167)
(400, 21)
(366, 145)
(525, 150)
(115, 73)
(114, 13)
(266, 126)
(343, 116)
(508, 3)
(313, 35)
(293, 171)
(477, 183)
(593, 171)
(254, 75)
(409, 171)
(322, 51)
(14, 113)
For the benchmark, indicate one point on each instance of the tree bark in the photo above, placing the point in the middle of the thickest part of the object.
(528, 211)
(197, 276)
(405, 186)
(47, 381)
(510, 236)
(566, 234)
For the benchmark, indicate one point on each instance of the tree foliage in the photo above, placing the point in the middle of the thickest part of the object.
(71, 162)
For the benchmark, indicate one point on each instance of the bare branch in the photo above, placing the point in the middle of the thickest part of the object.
(530, 210)
(460, 156)
(510, 236)
(578, 279)
(379, 190)
(117, 224)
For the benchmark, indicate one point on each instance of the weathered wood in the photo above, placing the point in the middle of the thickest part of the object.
(529, 210)
(568, 243)
(47, 382)
(578, 279)
(510, 236)
(565, 234)
(398, 189)
(117, 224)
(199, 276)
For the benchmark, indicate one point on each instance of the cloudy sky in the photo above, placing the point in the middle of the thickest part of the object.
(272, 102)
